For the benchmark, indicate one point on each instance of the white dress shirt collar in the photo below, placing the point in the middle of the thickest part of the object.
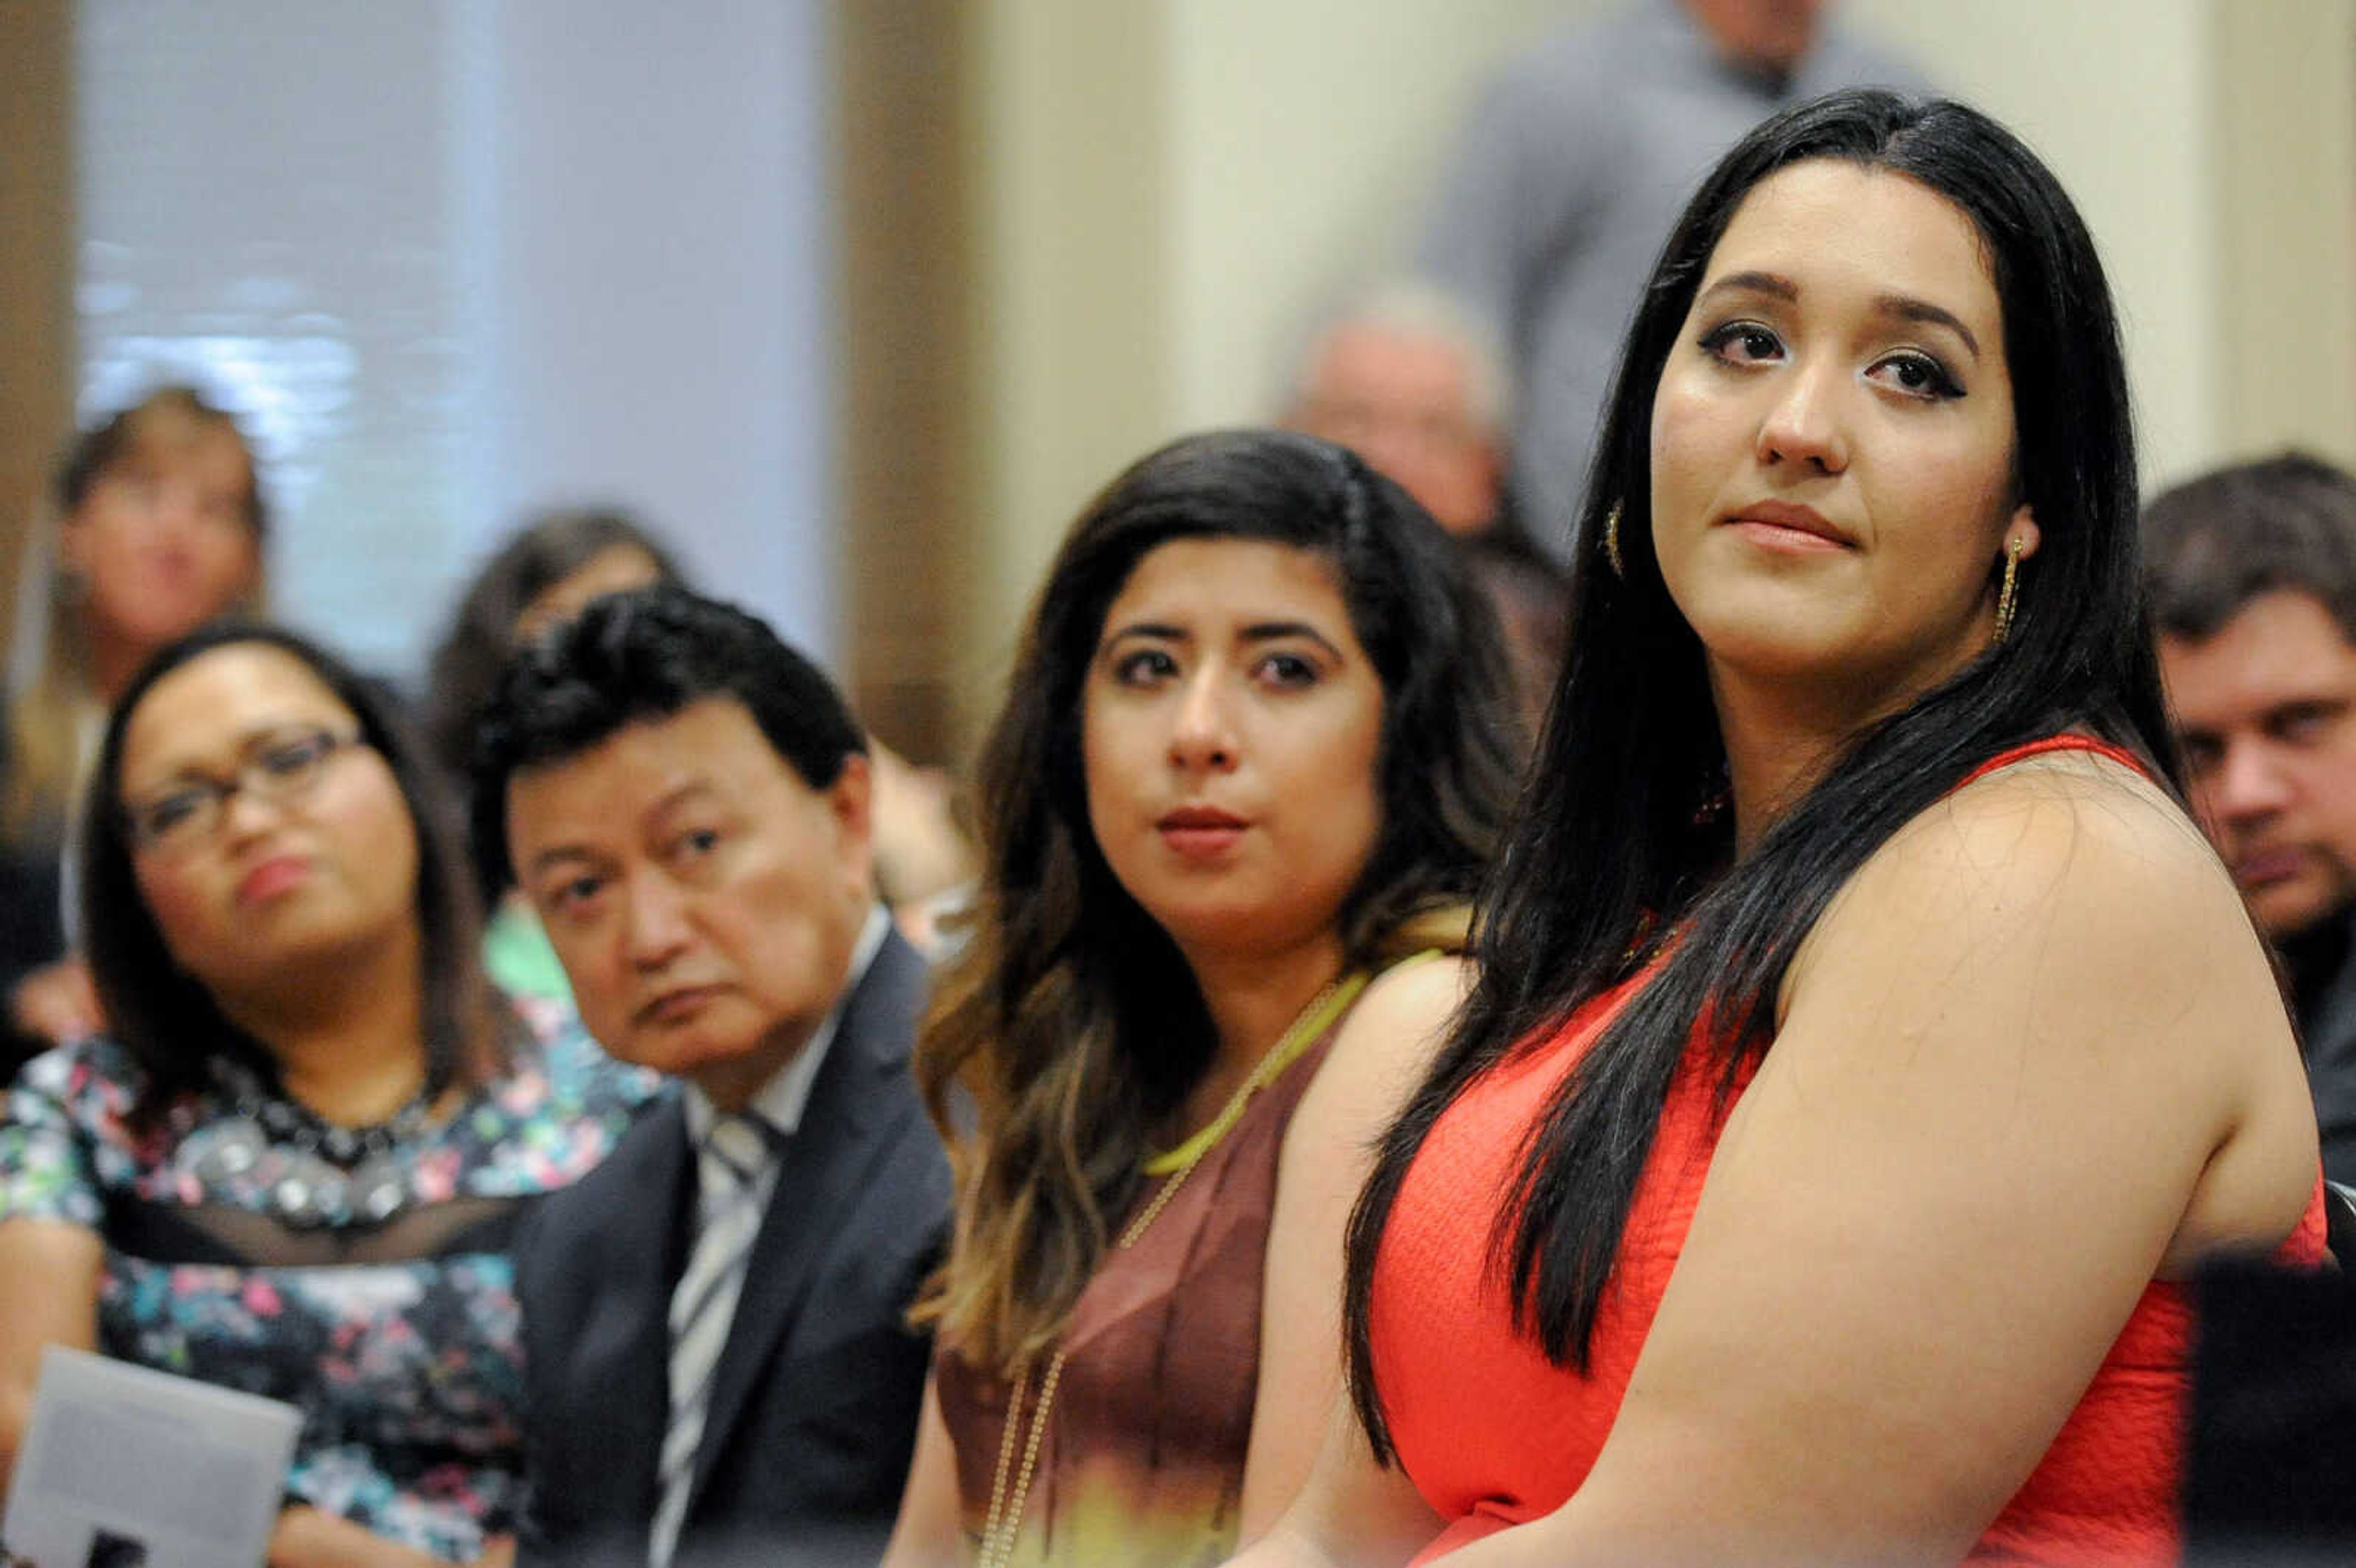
(781, 1100)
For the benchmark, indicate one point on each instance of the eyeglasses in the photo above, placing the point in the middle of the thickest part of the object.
(281, 767)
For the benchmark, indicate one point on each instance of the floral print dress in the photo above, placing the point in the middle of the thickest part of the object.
(400, 1341)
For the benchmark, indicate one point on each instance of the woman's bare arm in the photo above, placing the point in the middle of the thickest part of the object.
(1350, 1513)
(308, 1537)
(925, 1533)
(2032, 1056)
(49, 1295)
(1374, 1066)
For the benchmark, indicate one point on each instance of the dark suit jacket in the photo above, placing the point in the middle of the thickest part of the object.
(816, 1394)
(2326, 1027)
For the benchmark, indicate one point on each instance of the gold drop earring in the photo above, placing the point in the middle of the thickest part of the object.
(1611, 542)
(2007, 596)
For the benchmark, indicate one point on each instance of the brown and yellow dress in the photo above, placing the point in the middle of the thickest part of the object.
(1141, 1459)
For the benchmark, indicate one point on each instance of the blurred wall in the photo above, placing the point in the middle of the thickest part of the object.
(1303, 137)
(35, 261)
(1163, 189)
(651, 279)
(2286, 172)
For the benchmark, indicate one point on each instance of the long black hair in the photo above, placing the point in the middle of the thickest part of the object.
(1609, 851)
(165, 1016)
(1070, 1024)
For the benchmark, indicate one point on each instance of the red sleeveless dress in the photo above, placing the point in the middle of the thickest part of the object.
(1494, 1435)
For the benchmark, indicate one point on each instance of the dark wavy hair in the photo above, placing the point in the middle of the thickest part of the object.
(165, 1016)
(474, 649)
(1070, 1018)
(647, 655)
(1608, 849)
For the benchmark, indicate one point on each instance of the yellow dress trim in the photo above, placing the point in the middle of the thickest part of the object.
(1327, 1006)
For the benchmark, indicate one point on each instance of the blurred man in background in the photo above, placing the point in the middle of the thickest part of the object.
(1413, 382)
(2251, 573)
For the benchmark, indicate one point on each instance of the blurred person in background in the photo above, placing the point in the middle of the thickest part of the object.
(293, 1164)
(1569, 173)
(545, 575)
(721, 1366)
(2252, 576)
(1252, 759)
(1414, 383)
(158, 527)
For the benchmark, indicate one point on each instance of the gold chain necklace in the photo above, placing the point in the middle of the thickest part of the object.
(1003, 1524)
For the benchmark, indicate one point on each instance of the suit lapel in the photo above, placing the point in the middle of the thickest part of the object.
(624, 1349)
(820, 1174)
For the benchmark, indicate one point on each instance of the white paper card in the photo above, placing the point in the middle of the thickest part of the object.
(126, 1467)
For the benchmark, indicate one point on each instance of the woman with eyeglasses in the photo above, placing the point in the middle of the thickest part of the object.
(294, 1165)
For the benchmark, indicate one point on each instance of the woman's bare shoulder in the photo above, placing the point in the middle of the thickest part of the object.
(2068, 834)
(1381, 1051)
(2066, 900)
(1398, 1022)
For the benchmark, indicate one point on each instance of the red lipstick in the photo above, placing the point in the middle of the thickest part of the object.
(269, 879)
(1201, 832)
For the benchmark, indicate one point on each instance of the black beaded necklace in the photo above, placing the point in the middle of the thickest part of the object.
(322, 1173)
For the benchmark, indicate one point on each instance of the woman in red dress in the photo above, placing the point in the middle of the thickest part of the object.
(1867, 1044)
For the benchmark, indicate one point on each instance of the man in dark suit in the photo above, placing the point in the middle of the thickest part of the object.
(719, 1368)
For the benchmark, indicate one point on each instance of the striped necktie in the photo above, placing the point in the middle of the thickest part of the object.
(730, 1163)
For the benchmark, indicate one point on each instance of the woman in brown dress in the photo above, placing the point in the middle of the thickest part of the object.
(1258, 744)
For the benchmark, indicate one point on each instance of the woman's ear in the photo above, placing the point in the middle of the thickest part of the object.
(2020, 535)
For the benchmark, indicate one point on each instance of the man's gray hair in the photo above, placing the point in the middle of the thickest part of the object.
(1412, 307)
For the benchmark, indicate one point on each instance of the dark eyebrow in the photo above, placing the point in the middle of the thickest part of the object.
(1905, 307)
(682, 796)
(1271, 630)
(248, 744)
(1770, 283)
(1146, 629)
(556, 853)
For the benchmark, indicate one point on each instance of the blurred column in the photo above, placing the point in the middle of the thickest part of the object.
(36, 252)
(905, 425)
(1075, 233)
(2286, 177)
